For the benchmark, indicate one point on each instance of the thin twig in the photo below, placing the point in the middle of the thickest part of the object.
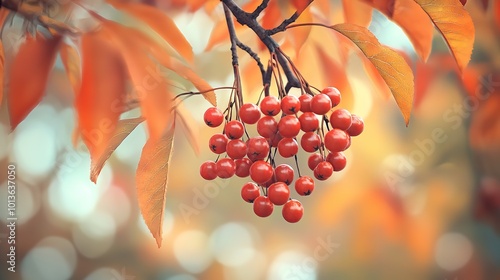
(36, 14)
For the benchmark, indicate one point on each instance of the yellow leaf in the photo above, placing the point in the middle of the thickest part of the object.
(72, 64)
(456, 26)
(123, 129)
(32, 63)
(161, 24)
(151, 180)
(390, 65)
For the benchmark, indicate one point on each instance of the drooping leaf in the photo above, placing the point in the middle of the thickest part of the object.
(357, 12)
(456, 26)
(160, 23)
(150, 85)
(390, 65)
(123, 129)
(151, 180)
(102, 91)
(412, 19)
(72, 64)
(28, 75)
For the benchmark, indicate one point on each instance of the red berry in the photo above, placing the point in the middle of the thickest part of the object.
(270, 182)
(321, 104)
(218, 143)
(284, 173)
(261, 172)
(270, 106)
(234, 129)
(340, 119)
(267, 127)
(310, 142)
(305, 102)
(288, 147)
(290, 105)
(314, 160)
(275, 139)
(308, 122)
(226, 168)
(278, 193)
(258, 148)
(357, 126)
(289, 126)
(262, 206)
(334, 95)
(243, 167)
(208, 170)
(336, 140)
(249, 113)
(338, 160)
(249, 192)
(292, 211)
(304, 185)
(213, 117)
(323, 171)
(236, 149)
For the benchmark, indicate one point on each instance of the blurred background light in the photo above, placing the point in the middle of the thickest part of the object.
(53, 258)
(192, 251)
(293, 265)
(71, 195)
(30, 157)
(232, 244)
(453, 251)
(94, 236)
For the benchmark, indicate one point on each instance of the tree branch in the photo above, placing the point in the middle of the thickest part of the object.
(260, 8)
(247, 19)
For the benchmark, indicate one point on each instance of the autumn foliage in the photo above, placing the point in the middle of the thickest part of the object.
(117, 63)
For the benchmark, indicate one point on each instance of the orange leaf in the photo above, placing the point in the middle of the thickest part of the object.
(390, 65)
(188, 74)
(72, 63)
(456, 26)
(357, 12)
(151, 180)
(102, 91)
(272, 15)
(161, 23)
(123, 129)
(32, 63)
(299, 35)
(149, 84)
(301, 5)
(413, 20)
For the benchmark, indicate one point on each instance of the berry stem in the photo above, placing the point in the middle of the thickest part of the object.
(297, 164)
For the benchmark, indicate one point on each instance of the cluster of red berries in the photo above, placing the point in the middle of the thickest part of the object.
(254, 157)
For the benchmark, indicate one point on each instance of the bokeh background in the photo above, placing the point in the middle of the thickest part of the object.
(414, 202)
